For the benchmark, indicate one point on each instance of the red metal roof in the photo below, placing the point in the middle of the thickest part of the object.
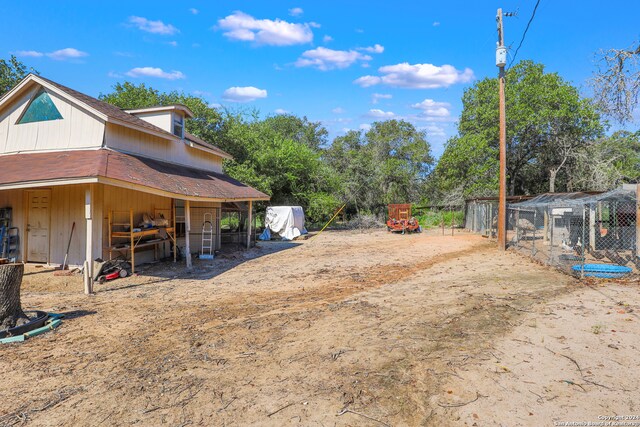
(154, 174)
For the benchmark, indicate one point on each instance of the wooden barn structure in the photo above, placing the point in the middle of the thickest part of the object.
(134, 183)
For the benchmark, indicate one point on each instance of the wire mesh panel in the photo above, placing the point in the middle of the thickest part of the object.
(585, 235)
(481, 217)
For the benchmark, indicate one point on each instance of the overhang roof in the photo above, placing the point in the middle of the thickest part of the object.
(161, 108)
(124, 170)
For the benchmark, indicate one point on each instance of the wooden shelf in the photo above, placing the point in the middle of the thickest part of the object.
(135, 239)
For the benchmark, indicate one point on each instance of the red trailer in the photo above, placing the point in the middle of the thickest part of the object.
(400, 219)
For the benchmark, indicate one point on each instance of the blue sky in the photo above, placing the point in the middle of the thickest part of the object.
(345, 63)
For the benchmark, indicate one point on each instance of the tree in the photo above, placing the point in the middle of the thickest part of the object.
(11, 313)
(547, 123)
(268, 158)
(11, 73)
(468, 166)
(387, 164)
(311, 134)
(129, 96)
(607, 162)
(617, 82)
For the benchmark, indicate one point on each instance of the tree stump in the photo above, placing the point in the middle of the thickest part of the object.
(11, 313)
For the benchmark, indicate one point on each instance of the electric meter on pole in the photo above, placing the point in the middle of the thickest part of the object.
(501, 56)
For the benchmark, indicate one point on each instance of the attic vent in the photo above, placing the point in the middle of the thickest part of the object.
(40, 109)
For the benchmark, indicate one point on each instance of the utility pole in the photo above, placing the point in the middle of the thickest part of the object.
(501, 61)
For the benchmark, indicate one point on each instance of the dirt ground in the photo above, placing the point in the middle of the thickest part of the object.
(346, 329)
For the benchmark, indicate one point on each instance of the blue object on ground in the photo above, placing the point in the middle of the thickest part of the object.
(603, 271)
(266, 235)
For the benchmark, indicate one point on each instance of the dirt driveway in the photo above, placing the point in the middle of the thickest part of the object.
(347, 329)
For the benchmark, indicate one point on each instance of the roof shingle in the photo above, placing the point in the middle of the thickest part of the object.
(154, 174)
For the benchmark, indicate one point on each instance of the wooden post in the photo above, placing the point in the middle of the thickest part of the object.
(175, 234)
(88, 263)
(592, 226)
(249, 225)
(452, 222)
(502, 208)
(132, 242)
(545, 235)
(187, 227)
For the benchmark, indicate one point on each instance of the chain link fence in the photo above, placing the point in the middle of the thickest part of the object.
(585, 235)
(481, 216)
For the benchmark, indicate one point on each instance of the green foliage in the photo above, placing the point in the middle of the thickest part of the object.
(547, 123)
(311, 134)
(435, 218)
(128, 96)
(321, 207)
(11, 73)
(387, 164)
(290, 171)
(278, 155)
(608, 162)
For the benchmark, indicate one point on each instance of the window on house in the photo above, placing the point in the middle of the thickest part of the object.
(40, 109)
(178, 125)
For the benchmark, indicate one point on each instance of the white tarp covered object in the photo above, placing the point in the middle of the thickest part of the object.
(287, 221)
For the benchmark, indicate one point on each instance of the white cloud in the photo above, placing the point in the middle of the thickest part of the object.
(155, 72)
(430, 108)
(155, 27)
(58, 55)
(173, 43)
(114, 75)
(296, 11)
(325, 59)
(376, 48)
(280, 111)
(366, 81)
(29, 53)
(379, 114)
(194, 11)
(67, 53)
(365, 127)
(327, 39)
(240, 26)
(433, 130)
(417, 76)
(376, 97)
(243, 94)
(436, 23)
(338, 110)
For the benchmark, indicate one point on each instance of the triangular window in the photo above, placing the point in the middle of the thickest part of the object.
(40, 109)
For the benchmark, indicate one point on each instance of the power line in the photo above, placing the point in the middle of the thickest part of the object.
(525, 32)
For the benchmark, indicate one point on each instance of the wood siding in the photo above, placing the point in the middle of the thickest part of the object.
(67, 207)
(76, 130)
(135, 142)
(163, 119)
(122, 199)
